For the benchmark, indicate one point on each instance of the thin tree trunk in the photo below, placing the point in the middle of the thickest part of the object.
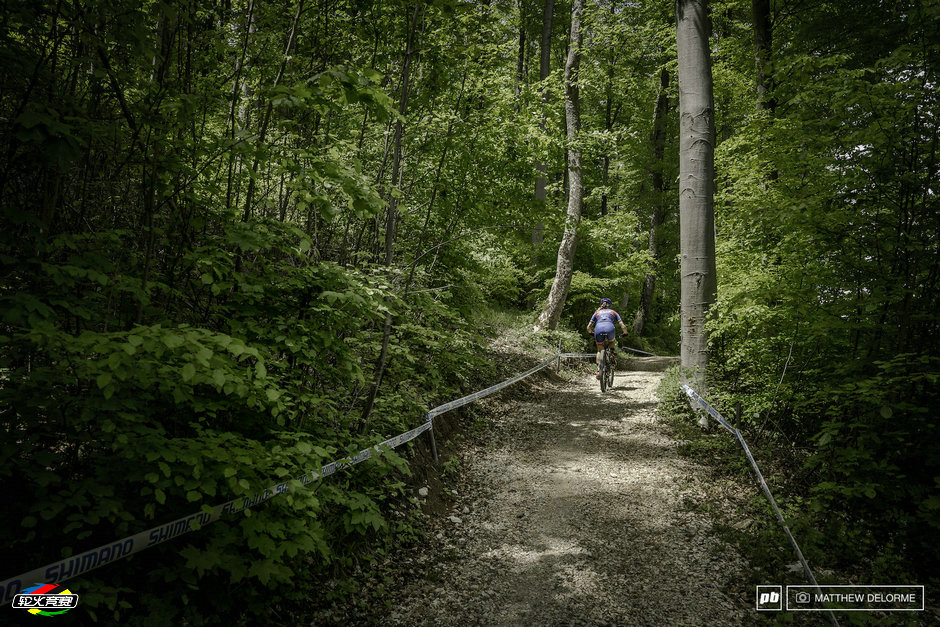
(545, 66)
(608, 119)
(437, 180)
(763, 38)
(520, 60)
(696, 186)
(565, 264)
(262, 132)
(607, 124)
(391, 224)
(658, 141)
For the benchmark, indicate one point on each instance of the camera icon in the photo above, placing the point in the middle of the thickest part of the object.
(802, 597)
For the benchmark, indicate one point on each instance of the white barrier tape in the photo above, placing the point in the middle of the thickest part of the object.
(586, 355)
(763, 484)
(711, 410)
(460, 402)
(83, 563)
(637, 350)
(107, 553)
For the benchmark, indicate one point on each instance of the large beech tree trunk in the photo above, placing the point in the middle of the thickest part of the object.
(658, 141)
(696, 186)
(564, 267)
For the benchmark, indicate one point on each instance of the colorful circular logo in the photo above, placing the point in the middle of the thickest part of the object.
(46, 599)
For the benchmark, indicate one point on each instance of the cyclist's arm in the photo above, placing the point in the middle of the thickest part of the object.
(623, 327)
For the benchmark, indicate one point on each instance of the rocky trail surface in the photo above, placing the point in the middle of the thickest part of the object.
(571, 510)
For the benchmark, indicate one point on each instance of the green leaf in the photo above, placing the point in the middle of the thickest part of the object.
(260, 370)
(188, 372)
(172, 340)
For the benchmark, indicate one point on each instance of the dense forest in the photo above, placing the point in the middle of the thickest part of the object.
(242, 239)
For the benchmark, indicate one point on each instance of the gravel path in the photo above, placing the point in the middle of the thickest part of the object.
(571, 513)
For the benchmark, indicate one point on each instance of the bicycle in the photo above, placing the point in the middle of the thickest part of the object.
(607, 366)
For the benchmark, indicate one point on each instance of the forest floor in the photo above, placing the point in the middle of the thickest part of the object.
(570, 507)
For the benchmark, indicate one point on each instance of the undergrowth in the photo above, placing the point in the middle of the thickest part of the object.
(751, 525)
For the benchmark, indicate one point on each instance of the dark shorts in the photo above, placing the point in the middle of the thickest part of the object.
(604, 337)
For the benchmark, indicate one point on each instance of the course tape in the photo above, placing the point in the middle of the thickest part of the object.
(711, 410)
(82, 563)
(586, 355)
(695, 398)
(637, 350)
(493, 389)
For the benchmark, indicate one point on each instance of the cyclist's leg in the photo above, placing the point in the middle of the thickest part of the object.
(611, 343)
(599, 341)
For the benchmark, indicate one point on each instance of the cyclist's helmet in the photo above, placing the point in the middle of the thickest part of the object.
(606, 302)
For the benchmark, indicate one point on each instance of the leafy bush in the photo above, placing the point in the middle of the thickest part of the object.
(251, 375)
(878, 461)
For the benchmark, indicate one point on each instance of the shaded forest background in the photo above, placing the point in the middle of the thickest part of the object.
(240, 239)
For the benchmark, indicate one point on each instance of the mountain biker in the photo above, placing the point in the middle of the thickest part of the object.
(602, 325)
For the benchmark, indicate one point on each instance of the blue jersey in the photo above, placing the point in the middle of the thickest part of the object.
(604, 319)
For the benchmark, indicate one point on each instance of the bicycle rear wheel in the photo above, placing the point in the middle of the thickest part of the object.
(610, 373)
(603, 368)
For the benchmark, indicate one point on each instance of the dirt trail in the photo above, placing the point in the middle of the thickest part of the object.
(572, 515)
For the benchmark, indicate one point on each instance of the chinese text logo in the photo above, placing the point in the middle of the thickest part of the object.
(45, 599)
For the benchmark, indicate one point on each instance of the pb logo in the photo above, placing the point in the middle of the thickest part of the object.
(769, 598)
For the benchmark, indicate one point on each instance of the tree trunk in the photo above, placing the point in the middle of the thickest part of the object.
(696, 186)
(564, 267)
(608, 118)
(760, 11)
(391, 223)
(265, 121)
(658, 141)
(520, 60)
(545, 66)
